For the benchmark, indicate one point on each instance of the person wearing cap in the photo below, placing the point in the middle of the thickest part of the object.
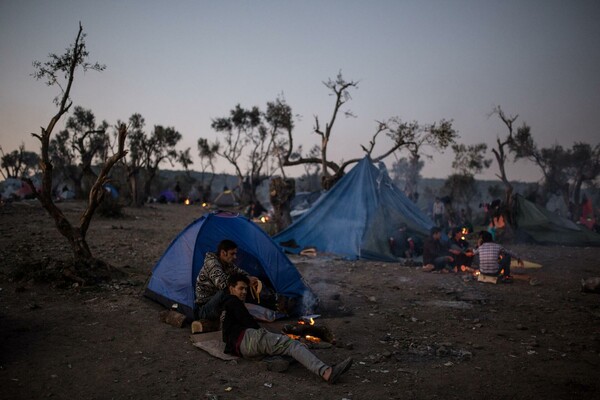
(459, 249)
(243, 337)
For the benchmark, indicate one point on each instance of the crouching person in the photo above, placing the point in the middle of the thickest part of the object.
(243, 336)
(494, 259)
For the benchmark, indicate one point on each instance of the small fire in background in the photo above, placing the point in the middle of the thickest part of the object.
(264, 219)
(204, 205)
(187, 202)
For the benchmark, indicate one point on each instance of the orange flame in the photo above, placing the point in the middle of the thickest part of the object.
(187, 202)
(313, 339)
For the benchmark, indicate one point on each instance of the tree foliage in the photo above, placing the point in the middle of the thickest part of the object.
(565, 170)
(74, 149)
(461, 186)
(411, 136)
(157, 148)
(248, 139)
(18, 163)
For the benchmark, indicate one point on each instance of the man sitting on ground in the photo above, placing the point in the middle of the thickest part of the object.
(245, 338)
(459, 248)
(494, 259)
(211, 284)
(435, 253)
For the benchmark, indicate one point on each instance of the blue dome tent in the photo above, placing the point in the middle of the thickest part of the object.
(174, 276)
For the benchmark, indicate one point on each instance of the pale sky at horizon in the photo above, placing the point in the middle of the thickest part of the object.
(184, 63)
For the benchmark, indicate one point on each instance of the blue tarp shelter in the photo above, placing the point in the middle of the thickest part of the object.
(356, 218)
(173, 278)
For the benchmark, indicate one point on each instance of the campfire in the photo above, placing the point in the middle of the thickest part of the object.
(464, 232)
(187, 202)
(307, 331)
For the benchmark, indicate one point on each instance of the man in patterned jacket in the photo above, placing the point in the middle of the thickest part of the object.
(211, 284)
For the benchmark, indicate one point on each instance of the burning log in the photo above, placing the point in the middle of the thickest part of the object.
(309, 332)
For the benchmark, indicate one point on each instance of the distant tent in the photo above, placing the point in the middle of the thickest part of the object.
(25, 192)
(174, 276)
(114, 193)
(226, 199)
(10, 187)
(356, 217)
(538, 225)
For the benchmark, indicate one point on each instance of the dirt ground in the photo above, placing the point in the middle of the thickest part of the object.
(413, 335)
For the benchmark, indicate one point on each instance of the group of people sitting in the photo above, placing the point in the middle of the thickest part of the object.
(221, 290)
(456, 255)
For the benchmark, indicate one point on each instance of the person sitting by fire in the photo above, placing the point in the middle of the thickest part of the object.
(211, 283)
(403, 244)
(243, 336)
(459, 248)
(435, 253)
(494, 259)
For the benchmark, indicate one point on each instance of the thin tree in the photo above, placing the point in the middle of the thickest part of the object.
(248, 134)
(501, 154)
(461, 186)
(60, 71)
(159, 147)
(207, 153)
(133, 162)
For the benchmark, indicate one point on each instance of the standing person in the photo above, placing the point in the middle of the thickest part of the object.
(178, 191)
(243, 336)
(211, 283)
(438, 210)
(435, 253)
(494, 259)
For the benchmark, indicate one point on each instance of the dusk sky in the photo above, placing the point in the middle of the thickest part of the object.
(184, 63)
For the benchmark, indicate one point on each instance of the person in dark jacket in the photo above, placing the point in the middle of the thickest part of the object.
(435, 253)
(243, 336)
(460, 251)
(211, 283)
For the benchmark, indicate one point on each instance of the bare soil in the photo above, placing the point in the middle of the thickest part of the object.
(413, 335)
